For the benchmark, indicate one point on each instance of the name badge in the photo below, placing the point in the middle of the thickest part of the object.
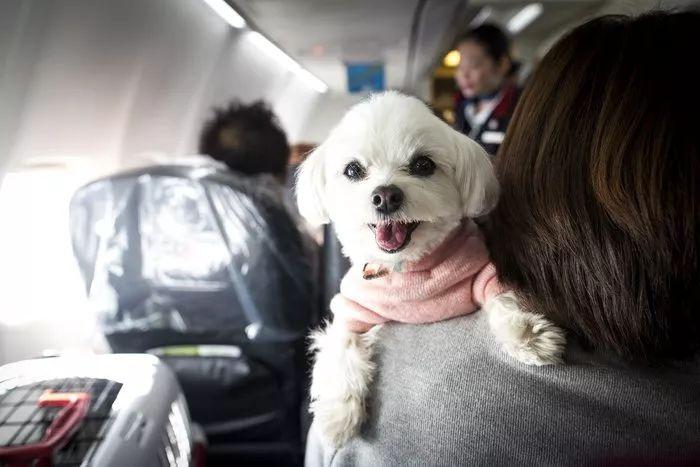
(492, 137)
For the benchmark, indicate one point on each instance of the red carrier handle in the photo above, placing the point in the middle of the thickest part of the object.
(75, 406)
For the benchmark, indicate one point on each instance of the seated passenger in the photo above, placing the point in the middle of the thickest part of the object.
(203, 266)
(249, 141)
(485, 78)
(598, 229)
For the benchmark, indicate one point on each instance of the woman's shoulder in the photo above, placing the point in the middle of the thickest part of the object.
(458, 342)
(463, 352)
(446, 391)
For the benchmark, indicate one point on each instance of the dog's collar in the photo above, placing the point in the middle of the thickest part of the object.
(375, 270)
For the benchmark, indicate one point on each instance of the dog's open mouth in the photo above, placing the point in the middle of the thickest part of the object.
(393, 236)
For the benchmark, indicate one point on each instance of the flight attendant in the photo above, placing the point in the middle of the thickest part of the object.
(487, 85)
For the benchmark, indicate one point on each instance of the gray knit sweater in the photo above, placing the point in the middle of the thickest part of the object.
(446, 395)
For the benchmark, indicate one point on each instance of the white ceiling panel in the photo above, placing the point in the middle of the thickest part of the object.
(324, 34)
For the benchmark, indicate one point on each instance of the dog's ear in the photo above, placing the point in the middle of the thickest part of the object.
(310, 188)
(475, 177)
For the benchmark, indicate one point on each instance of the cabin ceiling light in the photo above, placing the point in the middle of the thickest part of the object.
(227, 13)
(524, 17)
(451, 60)
(274, 52)
(481, 16)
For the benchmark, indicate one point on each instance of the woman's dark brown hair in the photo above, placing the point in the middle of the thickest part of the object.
(598, 222)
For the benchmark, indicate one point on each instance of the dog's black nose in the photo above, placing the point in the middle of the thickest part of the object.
(387, 199)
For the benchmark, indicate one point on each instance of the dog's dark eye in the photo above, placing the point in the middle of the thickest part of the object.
(354, 171)
(421, 166)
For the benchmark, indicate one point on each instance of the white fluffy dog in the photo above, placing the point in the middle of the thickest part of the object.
(439, 177)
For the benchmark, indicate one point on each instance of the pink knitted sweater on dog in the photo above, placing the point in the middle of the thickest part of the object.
(454, 280)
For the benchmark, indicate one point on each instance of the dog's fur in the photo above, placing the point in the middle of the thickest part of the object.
(384, 133)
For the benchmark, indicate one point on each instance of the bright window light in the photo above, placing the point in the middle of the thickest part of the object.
(451, 60)
(274, 52)
(524, 17)
(227, 13)
(40, 275)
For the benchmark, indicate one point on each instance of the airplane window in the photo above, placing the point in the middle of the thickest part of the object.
(37, 259)
(35, 246)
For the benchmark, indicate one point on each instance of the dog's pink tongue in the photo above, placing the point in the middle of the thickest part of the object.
(391, 235)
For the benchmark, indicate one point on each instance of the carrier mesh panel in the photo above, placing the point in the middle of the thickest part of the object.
(23, 422)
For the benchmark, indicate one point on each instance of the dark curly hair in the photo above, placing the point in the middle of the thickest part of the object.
(247, 138)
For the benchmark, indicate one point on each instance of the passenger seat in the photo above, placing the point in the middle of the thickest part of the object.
(205, 269)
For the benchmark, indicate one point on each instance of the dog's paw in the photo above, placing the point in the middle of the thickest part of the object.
(528, 337)
(342, 373)
(337, 419)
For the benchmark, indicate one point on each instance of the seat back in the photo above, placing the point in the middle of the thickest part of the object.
(196, 256)
(191, 250)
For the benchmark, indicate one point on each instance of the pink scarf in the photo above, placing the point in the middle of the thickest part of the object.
(453, 280)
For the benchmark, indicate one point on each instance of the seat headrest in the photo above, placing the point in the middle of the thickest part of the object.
(158, 245)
